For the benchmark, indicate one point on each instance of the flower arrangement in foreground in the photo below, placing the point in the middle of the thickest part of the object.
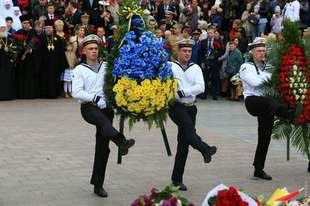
(144, 84)
(169, 196)
(227, 197)
(222, 195)
(290, 83)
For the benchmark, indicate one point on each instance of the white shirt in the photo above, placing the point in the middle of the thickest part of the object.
(291, 11)
(252, 80)
(189, 80)
(86, 83)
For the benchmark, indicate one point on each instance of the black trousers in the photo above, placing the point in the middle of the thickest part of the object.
(264, 108)
(212, 74)
(102, 119)
(185, 118)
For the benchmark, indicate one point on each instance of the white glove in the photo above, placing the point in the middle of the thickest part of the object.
(101, 103)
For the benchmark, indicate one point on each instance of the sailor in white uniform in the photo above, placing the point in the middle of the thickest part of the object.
(87, 87)
(252, 75)
(183, 112)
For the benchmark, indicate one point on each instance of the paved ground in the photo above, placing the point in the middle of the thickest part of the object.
(46, 154)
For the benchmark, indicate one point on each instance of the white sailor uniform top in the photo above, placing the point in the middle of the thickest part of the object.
(190, 81)
(87, 84)
(252, 78)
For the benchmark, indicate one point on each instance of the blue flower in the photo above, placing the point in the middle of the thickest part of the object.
(142, 59)
(137, 22)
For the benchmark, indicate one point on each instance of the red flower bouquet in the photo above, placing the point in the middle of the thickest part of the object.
(23, 3)
(217, 45)
(222, 195)
(20, 37)
(293, 80)
(227, 197)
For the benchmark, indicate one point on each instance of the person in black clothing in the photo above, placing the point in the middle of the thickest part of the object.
(183, 111)
(27, 66)
(7, 70)
(253, 74)
(53, 62)
(209, 51)
(87, 87)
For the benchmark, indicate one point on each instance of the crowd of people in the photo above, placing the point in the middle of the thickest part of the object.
(49, 48)
(41, 39)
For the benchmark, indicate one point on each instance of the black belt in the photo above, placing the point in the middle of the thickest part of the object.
(186, 104)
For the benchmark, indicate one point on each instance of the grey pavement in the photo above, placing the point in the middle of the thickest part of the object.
(46, 156)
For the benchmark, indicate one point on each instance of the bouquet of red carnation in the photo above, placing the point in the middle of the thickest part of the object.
(23, 3)
(68, 17)
(227, 197)
(91, 30)
(217, 45)
(20, 37)
(20, 41)
(216, 48)
(222, 195)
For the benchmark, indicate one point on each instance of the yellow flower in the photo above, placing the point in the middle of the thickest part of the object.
(147, 97)
(120, 101)
(146, 83)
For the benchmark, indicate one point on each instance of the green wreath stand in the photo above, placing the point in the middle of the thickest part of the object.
(163, 132)
(290, 83)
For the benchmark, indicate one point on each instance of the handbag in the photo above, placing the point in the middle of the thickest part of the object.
(253, 20)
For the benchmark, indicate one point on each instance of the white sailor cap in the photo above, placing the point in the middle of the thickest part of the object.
(104, 3)
(257, 42)
(92, 38)
(170, 12)
(185, 43)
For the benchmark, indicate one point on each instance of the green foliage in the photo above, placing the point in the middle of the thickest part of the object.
(307, 45)
(300, 139)
(170, 191)
(281, 130)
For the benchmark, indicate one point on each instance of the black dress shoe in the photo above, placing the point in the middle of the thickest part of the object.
(100, 192)
(261, 174)
(180, 185)
(126, 145)
(202, 96)
(207, 156)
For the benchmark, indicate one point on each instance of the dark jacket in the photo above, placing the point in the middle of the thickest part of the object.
(264, 9)
(209, 55)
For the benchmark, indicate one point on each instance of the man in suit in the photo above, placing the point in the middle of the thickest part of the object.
(51, 12)
(92, 8)
(88, 5)
(76, 15)
(163, 8)
(209, 51)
